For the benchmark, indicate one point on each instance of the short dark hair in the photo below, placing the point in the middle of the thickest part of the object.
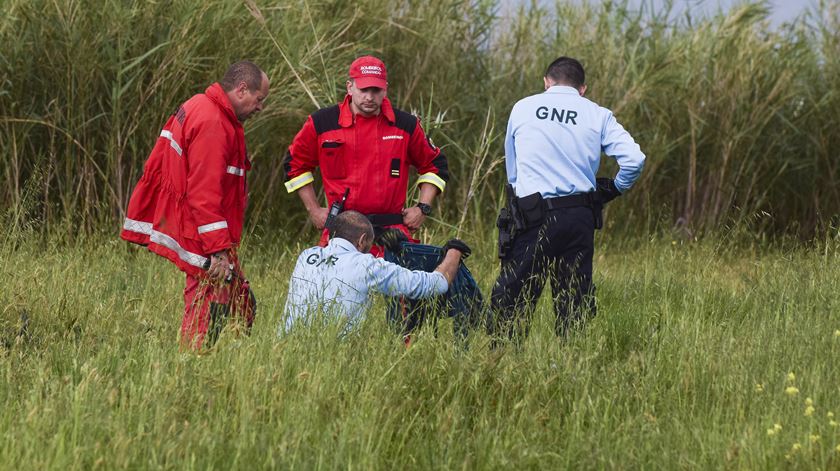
(350, 225)
(242, 71)
(567, 71)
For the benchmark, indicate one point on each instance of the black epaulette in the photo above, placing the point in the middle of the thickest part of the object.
(326, 119)
(405, 121)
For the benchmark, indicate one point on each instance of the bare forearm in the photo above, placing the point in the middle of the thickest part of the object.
(307, 196)
(428, 193)
(413, 217)
(317, 214)
(449, 266)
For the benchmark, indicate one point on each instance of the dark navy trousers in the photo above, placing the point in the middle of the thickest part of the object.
(560, 251)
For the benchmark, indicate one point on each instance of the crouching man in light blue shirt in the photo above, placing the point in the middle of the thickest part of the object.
(337, 280)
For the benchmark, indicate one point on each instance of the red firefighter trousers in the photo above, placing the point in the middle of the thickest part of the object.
(209, 305)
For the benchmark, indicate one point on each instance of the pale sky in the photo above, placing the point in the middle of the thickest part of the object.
(781, 10)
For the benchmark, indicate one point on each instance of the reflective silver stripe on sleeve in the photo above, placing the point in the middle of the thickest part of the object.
(299, 182)
(236, 171)
(137, 226)
(172, 142)
(171, 244)
(434, 179)
(213, 226)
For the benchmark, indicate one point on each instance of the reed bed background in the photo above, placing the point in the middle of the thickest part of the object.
(738, 119)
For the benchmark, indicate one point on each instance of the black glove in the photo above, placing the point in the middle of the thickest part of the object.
(606, 190)
(459, 245)
(391, 239)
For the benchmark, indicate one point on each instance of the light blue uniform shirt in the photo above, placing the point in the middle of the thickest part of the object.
(338, 279)
(554, 142)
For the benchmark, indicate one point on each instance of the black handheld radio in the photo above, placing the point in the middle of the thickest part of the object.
(335, 209)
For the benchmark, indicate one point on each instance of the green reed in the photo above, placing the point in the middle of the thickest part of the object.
(736, 117)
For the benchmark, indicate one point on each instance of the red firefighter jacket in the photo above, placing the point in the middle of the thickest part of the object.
(190, 201)
(371, 156)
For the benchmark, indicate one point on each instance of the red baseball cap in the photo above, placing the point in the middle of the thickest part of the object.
(368, 71)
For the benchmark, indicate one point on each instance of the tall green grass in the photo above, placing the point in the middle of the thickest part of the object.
(736, 117)
(685, 366)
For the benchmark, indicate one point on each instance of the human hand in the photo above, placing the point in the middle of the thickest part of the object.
(458, 245)
(413, 218)
(221, 267)
(318, 217)
(606, 189)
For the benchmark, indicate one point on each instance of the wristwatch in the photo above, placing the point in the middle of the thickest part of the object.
(426, 209)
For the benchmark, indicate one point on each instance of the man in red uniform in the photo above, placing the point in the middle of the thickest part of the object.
(367, 146)
(189, 205)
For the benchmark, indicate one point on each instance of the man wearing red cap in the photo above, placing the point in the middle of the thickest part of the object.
(366, 146)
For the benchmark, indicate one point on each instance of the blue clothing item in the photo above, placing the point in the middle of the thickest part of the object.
(554, 142)
(337, 280)
(463, 302)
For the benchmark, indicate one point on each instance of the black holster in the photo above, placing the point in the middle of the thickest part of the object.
(506, 232)
(510, 222)
(531, 210)
(598, 214)
(605, 191)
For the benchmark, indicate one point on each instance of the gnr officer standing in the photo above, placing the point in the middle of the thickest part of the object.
(552, 153)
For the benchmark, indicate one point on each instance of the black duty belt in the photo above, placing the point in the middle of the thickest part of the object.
(571, 201)
(382, 220)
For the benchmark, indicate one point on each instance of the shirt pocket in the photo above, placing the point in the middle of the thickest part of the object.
(332, 160)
